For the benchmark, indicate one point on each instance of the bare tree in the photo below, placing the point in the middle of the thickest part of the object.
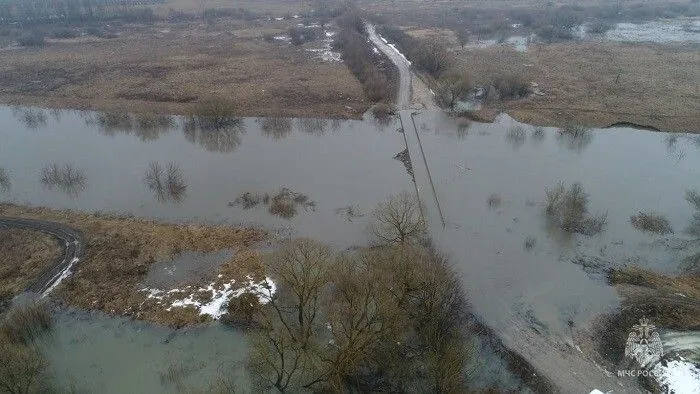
(287, 350)
(462, 37)
(66, 178)
(20, 367)
(167, 184)
(455, 86)
(399, 220)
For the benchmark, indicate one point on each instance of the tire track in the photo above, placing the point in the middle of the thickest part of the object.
(71, 241)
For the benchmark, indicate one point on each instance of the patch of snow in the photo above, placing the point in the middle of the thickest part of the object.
(58, 278)
(330, 34)
(283, 38)
(216, 307)
(678, 376)
(375, 50)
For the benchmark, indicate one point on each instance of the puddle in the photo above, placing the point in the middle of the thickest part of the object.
(187, 266)
(89, 352)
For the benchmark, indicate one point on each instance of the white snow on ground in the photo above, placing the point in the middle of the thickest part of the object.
(264, 290)
(60, 276)
(326, 52)
(397, 51)
(678, 376)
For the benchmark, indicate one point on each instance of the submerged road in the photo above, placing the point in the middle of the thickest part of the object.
(71, 242)
(557, 359)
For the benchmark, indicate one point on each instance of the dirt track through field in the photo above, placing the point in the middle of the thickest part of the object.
(71, 242)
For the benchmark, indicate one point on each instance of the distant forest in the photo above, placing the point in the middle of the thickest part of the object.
(41, 11)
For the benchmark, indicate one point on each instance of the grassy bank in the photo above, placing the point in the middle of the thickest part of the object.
(25, 255)
(119, 251)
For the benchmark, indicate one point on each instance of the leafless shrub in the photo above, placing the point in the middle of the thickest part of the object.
(574, 137)
(383, 110)
(4, 181)
(26, 322)
(283, 204)
(167, 184)
(20, 367)
(349, 212)
(314, 126)
(399, 220)
(510, 87)
(530, 242)
(31, 118)
(67, 179)
(538, 134)
(651, 222)
(455, 86)
(213, 128)
(516, 136)
(276, 127)
(494, 200)
(568, 209)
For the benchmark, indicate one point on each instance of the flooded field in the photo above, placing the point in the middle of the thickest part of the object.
(514, 263)
(483, 185)
(86, 349)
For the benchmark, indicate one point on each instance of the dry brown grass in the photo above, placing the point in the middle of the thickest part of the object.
(25, 255)
(119, 251)
(669, 302)
(173, 67)
(657, 86)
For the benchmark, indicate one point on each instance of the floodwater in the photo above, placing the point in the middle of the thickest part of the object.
(203, 168)
(623, 170)
(345, 168)
(661, 31)
(90, 352)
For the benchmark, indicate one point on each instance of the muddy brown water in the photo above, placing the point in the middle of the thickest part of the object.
(352, 163)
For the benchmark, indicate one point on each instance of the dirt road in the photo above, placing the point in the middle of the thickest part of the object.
(413, 92)
(71, 241)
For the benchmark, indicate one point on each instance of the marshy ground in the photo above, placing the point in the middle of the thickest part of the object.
(174, 67)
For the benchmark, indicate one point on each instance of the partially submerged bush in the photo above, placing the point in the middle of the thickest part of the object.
(383, 110)
(568, 209)
(399, 220)
(494, 200)
(651, 222)
(24, 323)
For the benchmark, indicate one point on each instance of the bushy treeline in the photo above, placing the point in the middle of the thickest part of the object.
(45, 11)
(385, 319)
(370, 68)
